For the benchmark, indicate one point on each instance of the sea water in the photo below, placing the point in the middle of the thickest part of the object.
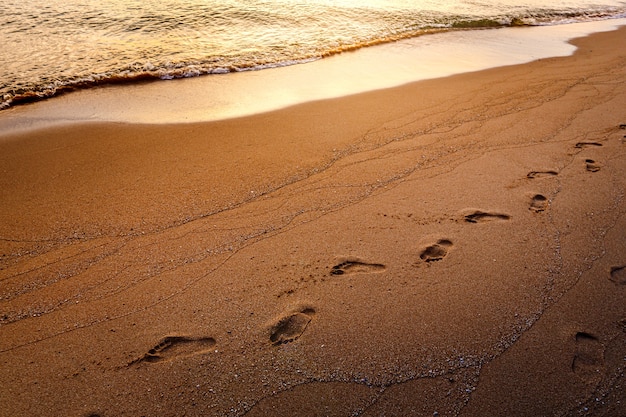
(53, 46)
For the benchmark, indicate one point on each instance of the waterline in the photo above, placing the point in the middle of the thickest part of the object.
(240, 94)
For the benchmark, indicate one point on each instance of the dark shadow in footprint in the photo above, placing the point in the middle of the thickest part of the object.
(356, 267)
(581, 145)
(618, 274)
(437, 251)
(541, 174)
(482, 216)
(591, 165)
(538, 203)
(588, 360)
(171, 347)
(291, 327)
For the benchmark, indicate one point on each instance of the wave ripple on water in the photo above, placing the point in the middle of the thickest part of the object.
(71, 44)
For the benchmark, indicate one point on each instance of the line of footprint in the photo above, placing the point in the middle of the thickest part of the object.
(617, 274)
(588, 360)
(290, 326)
(589, 353)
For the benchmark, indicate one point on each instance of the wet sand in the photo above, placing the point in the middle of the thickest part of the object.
(448, 247)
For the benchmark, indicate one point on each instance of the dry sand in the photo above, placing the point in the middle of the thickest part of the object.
(449, 247)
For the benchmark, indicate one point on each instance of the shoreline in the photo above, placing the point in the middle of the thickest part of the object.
(233, 95)
(451, 245)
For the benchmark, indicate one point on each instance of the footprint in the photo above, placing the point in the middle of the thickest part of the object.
(618, 274)
(538, 203)
(588, 359)
(482, 216)
(592, 166)
(356, 267)
(437, 251)
(291, 327)
(581, 145)
(171, 347)
(541, 174)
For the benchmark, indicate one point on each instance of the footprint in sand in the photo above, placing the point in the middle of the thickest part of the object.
(483, 216)
(591, 165)
(618, 274)
(437, 251)
(581, 145)
(171, 347)
(355, 267)
(588, 360)
(290, 327)
(538, 203)
(541, 174)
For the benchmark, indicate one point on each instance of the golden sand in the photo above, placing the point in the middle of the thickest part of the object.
(449, 247)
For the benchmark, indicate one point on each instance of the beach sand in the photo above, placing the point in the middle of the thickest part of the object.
(449, 247)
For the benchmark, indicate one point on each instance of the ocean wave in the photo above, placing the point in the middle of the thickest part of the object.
(398, 26)
(150, 73)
